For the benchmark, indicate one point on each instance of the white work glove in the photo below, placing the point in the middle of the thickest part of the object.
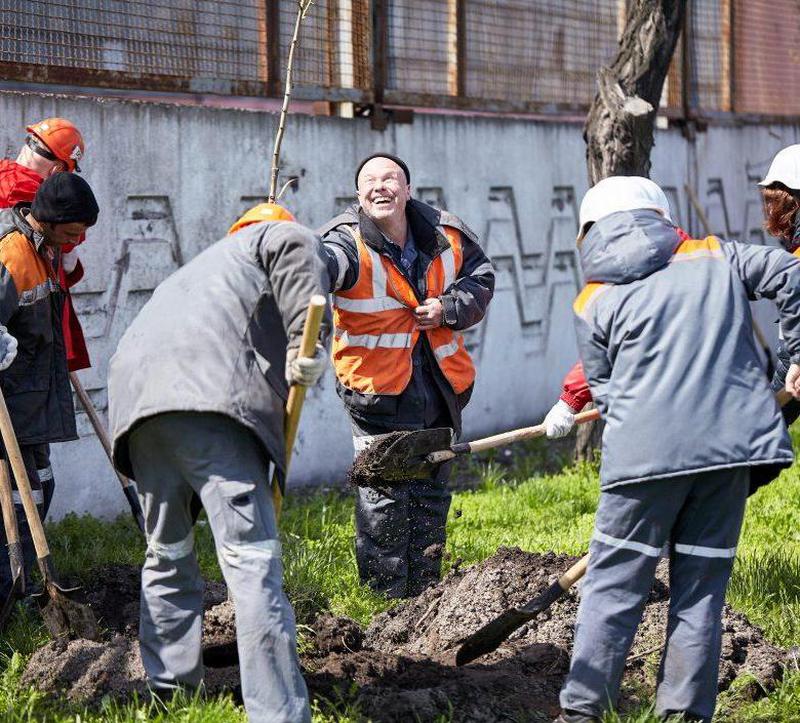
(8, 348)
(305, 371)
(559, 420)
(70, 260)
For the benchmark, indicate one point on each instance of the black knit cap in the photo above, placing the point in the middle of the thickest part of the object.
(65, 198)
(399, 161)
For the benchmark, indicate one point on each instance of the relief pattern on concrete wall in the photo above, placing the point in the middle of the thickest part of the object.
(529, 266)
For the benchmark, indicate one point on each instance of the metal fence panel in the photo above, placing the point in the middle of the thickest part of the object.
(767, 57)
(527, 55)
(538, 50)
(205, 45)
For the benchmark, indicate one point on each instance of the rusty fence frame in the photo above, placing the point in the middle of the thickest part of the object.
(376, 100)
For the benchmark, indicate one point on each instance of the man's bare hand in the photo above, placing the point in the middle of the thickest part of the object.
(793, 381)
(429, 315)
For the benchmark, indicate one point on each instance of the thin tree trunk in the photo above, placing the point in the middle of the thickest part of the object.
(619, 127)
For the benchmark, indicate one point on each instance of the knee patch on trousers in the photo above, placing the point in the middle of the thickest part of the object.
(172, 550)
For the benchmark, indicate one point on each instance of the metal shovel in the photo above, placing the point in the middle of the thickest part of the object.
(491, 635)
(63, 616)
(400, 456)
(16, 558)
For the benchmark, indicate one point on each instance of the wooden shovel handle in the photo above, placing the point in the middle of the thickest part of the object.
(7, 505)
(297, 393)
(23, 483)
(97, 425)
(575, 573)
(518, 435)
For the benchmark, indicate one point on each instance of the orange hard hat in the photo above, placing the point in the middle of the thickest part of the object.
(62, 138)
(262, 212)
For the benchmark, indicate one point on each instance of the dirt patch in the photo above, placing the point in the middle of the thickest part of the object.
(402, 665)
(405, 669)
(114, 597)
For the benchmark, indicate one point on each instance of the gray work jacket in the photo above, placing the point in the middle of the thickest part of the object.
(666, 337)
(214, 335)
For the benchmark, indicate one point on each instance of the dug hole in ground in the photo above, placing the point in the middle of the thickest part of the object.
(402, 663)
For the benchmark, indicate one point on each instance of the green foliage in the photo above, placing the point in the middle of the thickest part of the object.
(503, 505)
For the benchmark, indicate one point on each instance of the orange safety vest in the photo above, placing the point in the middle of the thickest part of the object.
(374, 327)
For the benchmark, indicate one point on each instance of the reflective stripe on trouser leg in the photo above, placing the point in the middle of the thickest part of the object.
(705, 538)
(243, 524)
(170, 621)
(31, 456)
(632, 524)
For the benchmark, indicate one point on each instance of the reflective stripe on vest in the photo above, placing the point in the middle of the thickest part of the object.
(374, 328)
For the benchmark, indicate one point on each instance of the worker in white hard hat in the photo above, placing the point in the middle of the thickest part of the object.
(780, 190)
(575, 393)
(664, 330)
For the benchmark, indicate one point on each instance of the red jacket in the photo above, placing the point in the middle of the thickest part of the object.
(575, 389)
(19, 185)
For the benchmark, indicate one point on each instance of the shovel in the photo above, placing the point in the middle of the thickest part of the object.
(400, 456)
(297, 393)
(63, 616)
(127, 486)
(491, 635)
(15, 556)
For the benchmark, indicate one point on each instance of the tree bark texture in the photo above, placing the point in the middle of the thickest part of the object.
(619, 127)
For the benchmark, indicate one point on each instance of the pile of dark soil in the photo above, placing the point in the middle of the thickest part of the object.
(402, 665)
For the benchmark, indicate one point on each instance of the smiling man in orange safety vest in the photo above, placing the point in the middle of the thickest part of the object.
(407, 278)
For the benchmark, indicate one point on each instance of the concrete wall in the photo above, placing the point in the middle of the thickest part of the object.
(171, 179)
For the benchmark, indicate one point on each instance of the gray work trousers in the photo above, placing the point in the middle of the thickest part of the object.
(174, 456)
(400, 529)
(40, 475)
(700, 515)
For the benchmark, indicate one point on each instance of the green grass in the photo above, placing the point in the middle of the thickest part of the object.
(510, 505)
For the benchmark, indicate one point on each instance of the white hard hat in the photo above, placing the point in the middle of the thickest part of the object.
(621, 193)
(785, 168)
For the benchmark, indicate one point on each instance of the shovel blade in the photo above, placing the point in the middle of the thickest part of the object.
(399, 456)
(491, 636)
(63, 615)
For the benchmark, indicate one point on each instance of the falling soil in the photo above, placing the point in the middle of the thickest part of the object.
(402, 665)
(398, 456)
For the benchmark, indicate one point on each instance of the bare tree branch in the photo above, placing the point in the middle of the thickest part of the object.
(303, 6)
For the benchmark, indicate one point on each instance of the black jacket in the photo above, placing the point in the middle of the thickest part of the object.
(36, 386)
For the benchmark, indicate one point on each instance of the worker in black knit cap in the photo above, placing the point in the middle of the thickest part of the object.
(35, 381)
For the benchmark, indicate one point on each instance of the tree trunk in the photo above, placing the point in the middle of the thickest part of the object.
(619, 127)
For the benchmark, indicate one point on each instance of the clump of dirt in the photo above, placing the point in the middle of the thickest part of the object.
(403, 664)
(334, 634)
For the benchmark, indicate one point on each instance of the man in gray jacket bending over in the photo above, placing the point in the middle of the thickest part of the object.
(196, 390)
(665, 334)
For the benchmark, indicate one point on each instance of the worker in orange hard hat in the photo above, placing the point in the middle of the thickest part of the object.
(261, 213)
(53, 145)
(58, 140)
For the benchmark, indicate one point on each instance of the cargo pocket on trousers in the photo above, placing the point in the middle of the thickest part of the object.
(241, 513)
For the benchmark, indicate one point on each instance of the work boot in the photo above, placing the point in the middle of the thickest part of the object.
(571, 716)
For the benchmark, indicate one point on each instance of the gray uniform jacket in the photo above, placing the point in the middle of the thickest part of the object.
(464, 304)
(666, 338)
(213, 337)
(36, 386)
